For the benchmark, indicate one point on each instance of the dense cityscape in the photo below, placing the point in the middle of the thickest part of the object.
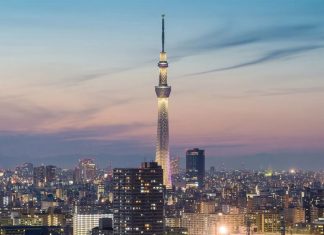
(84, 200)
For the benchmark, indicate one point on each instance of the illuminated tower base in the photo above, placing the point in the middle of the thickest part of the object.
(162, 145)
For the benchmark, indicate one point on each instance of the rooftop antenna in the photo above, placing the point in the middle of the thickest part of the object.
(163, 32)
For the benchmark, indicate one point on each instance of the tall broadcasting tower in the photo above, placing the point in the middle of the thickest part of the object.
(162, 92)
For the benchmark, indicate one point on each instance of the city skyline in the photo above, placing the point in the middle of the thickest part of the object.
(76, 81)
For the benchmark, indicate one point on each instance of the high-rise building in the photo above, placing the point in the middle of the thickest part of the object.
(23, 229)
(50, 174)
(176, 231)
(138, 200)
(104, 228)
(294, 215)
(77, 178)
(100, 191)
(207, 207)
(86, 170)
(163, 92)
(85, 218)
(59, 193)
(212, 223)
(175, 166)
(199, 223)
(268, 222)
(318, 226)
(195, 168)
(25, 170)
(39, 176)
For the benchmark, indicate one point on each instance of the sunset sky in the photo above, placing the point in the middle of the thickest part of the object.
(77, 80)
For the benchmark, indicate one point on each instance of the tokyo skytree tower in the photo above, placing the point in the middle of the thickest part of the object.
(162, 92)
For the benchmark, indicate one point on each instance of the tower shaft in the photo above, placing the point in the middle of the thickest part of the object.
(163, 91)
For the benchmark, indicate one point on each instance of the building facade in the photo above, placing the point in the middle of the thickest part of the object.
(199, 223)
(138, 200)
(85, 218)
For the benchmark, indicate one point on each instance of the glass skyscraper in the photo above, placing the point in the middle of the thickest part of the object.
(195, 168)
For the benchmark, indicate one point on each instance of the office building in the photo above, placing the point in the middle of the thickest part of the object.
(195, 168)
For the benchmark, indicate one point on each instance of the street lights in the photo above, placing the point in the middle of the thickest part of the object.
(222, 230)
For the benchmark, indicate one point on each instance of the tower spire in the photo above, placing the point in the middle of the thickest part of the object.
(163, 32)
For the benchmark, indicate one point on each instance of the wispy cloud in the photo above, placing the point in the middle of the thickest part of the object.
(218, 39)
(98, 74)
(267, 57)
(225, 38)
(289, 91)
(277, 35)
(276, 92)
(22, 114)
(85, 76)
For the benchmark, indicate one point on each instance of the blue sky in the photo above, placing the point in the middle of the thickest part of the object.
(77, 78)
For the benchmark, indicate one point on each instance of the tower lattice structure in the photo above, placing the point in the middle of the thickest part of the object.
(163, 92)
